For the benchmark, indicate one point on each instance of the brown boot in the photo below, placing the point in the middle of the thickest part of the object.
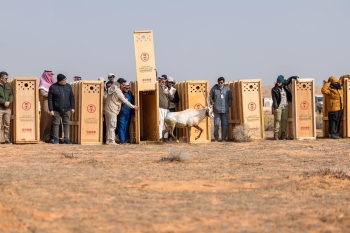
(275, 136)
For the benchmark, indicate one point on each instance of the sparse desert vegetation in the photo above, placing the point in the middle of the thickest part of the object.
(259, 186)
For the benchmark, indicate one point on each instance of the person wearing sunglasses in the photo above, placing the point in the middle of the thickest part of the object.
(6, 98)
(281, 95)
(221, 99)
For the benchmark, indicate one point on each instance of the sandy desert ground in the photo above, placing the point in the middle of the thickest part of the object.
(259, 186)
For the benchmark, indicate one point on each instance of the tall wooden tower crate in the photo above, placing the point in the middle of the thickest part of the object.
(25, 110)
(86, 123)
(145, 60)
(344, 130)
(301, 120)
(193, 94)
(146, 124)
(247, 107)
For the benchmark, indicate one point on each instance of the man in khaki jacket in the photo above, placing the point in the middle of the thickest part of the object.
(6, 98)
(115, 98)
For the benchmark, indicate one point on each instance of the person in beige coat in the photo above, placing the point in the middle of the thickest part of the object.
(115, 98)
(46, 80)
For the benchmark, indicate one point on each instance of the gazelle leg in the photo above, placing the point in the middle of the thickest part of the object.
(164, 132)
(200, 131)
(171, 132)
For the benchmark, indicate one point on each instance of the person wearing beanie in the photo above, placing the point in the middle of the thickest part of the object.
(221, 100)
(6, 98)
(281, 95)
(335, 104)
(61, 105)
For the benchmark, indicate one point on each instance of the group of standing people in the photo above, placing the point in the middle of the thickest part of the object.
(118, 109)
(57, 103)
(332, 89)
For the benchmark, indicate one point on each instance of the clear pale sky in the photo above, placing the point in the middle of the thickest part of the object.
(194, 39)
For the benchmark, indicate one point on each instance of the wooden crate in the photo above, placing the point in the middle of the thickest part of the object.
(193, 95)
(344, 130)
(145, 60)
(86, 123)
(25, 110)
(144, 127)
(302, 118)
(247, 107)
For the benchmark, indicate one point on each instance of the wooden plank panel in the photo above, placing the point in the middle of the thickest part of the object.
(145, 60)
(346, 113)
(74, 121)
(133, 130)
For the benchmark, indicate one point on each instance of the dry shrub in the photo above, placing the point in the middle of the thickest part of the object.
(68, 156)
(242, 133)
(268, 123)
(338, 173)
(175, 155)
(319, 121)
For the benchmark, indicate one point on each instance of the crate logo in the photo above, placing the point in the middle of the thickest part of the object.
(90, 131)
(144, 56)
(251, 106)
(26, 106)
(26, 130)
(198, 106)
(304, 105)
(91, 108)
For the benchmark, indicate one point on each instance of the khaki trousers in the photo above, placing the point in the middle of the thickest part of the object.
(281, 118)
(5, 116)
(111, 124)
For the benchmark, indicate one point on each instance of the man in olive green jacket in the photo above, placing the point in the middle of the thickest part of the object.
(6, 98)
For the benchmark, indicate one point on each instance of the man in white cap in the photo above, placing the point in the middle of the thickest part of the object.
(111, 77)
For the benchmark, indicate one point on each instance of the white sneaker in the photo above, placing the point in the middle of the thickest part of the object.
(111, 143)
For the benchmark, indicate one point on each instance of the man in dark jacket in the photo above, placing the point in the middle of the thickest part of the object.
(61, 104)
(221, 99)
(281, 95)
(6, 98)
